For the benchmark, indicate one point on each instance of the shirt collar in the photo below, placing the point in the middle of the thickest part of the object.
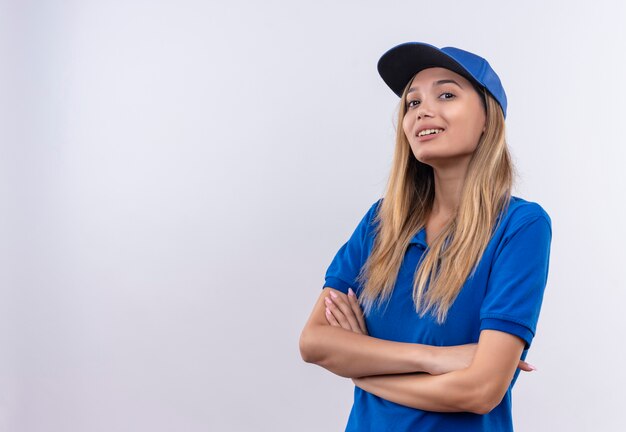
(420, 238)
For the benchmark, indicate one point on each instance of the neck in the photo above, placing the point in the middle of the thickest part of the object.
(449, 182)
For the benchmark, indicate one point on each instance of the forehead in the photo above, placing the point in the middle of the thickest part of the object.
(426, 77)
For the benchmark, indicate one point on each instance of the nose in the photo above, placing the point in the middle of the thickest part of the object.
(423, 110)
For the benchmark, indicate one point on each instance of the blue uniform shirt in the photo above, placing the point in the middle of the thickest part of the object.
(505, 294)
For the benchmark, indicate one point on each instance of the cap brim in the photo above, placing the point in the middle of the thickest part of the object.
(398, 65)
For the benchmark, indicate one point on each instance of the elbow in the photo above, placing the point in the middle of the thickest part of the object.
(484, 400)
(481, 407)
(313, 350)
(308, 352)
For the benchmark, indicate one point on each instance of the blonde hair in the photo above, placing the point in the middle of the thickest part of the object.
(408, 199)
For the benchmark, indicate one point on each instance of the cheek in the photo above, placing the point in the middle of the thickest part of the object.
(479, 127)
(474, 128)
(407, 126)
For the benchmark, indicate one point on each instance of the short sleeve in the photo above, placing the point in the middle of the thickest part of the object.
(347, 263)
(518, 279)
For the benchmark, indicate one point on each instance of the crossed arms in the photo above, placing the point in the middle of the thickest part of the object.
(472, 378)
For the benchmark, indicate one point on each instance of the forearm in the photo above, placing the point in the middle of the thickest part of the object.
(352, 355)
(456, 391)
(478, 388)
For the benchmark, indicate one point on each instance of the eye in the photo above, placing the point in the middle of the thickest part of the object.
(447, 95)
(410, 104)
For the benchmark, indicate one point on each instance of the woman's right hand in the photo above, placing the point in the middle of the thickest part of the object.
(344, 311)
(450, 358)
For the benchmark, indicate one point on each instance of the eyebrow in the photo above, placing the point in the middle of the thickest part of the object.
(440, 82)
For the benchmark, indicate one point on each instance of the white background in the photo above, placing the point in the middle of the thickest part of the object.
(176, 176)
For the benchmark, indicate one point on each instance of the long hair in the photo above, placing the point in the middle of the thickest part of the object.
(408, 199)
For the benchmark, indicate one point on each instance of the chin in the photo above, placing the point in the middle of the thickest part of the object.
(426, 158)
(443, 156)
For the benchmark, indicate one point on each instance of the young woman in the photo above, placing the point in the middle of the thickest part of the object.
(431, 305)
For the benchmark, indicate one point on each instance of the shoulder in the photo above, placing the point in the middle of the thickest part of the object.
(522, 219)
(374, 207)
(521, 212)
(370, 215)
(368, 220)
(373, 213)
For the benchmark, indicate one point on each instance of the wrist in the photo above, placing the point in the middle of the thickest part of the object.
(425, 358)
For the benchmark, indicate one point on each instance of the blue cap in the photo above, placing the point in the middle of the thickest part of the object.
(398, 66)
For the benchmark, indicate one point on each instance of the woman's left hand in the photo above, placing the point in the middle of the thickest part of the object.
(344, 311)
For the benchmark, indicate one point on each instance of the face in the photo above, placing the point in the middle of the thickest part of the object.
(443, 102)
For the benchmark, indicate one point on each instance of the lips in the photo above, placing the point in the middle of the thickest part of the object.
(426, 132)
(428, 129)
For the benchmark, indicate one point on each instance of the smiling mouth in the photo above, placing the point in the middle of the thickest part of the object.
(429, 132)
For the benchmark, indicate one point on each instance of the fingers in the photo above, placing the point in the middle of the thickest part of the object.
(335, 312)
(331, 319)
(526, 367)
(356, 308)
(342, 303)
(339, 306)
